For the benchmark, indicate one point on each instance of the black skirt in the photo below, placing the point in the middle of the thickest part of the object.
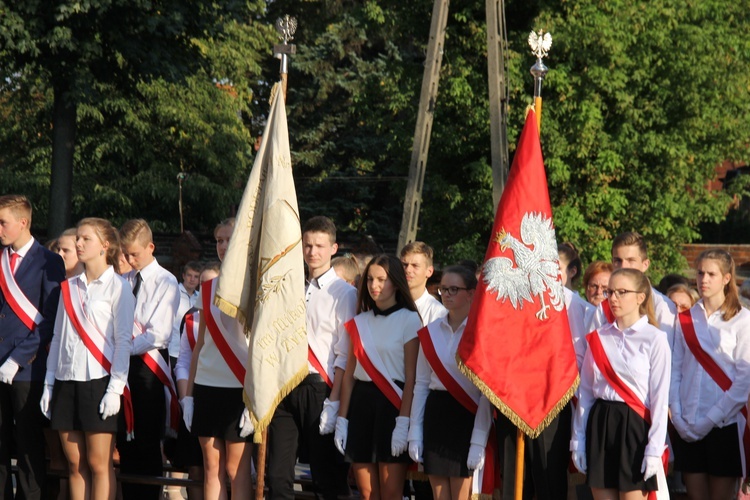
(717, 454)
(447, 434)
(75, 406)
(372, 419)
(217, 413)
(616, 439)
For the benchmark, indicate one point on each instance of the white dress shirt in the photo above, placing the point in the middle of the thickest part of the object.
(182, 366)
(694, 393)
(430, 308)
(21, 253)
(428, 380)
(665, 310)
(390, 332)
(186, 302)
(644, 350)
(155, 307)
(579, 313)
(331, 302)
(109, 305)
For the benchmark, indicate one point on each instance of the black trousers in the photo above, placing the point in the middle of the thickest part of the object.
(142, 455)
(19, 402)
(546, 458)
(294, 432)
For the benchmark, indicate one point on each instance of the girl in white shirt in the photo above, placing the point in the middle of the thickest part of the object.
(444, 434)
(384, 334)
(620, 424)
(214, 392)
(711, 382)
(82, 389)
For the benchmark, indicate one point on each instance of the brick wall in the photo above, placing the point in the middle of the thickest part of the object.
(740, 254)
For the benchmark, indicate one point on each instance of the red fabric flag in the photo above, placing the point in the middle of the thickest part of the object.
(517, 346)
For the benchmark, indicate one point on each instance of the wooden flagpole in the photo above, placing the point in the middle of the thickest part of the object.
(286, 27)
(540, 44)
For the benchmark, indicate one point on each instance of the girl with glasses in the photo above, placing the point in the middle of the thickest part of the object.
(711, 382)
(450, 419)
(620, 425)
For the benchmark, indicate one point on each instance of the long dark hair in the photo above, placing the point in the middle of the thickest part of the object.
(395, 271)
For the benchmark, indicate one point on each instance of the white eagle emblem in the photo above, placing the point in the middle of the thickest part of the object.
(540, 43)
(536, 271)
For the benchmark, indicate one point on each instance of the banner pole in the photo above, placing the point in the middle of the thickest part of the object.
(520, 450)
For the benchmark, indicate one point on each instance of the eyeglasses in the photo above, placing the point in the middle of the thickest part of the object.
(593, 287)
(618, 293)
(449, 291)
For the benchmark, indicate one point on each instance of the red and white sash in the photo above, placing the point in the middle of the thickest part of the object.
(623, 389)
(368, 357)
(608, 311)
(22, 306)
(314, 355)
(687, 322)
(159, 367)
(190, 327)
(485, 480)
(94, 340)
(234, 353)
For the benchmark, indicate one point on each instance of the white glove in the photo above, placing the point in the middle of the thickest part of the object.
(415, 450)
(328, 417)
(476, 457)
(246, 424)
(187, 411)
(702, 427)
(45, 401)
(339, 438)
(399, 438)
(683, 429)
(110, 405)
(650, 466)
(579, 460)
(8, 370)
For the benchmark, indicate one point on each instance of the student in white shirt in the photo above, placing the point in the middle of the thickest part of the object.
(213, 408)
(416, 257)
(156, 301)
(444, 434)
(191, 274)
(711, 382)
(630, 251)
(620, 424)
(82, 394)
(378, 385)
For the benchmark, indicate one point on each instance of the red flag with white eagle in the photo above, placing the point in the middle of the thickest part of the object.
(517, 346)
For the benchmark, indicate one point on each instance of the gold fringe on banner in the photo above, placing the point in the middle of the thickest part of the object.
(506, 410)
(263, 423)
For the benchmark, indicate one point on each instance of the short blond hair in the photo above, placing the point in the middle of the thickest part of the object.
(419, 247)
(136, 230)
(19, 205)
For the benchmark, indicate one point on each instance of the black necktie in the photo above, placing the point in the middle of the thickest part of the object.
(138, 281)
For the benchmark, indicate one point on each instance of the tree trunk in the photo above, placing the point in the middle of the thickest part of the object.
(63, 146)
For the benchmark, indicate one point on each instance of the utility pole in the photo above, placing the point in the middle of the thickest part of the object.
(496, 78)
(421, 146)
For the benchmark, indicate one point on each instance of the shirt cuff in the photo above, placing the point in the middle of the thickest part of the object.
(49, 378)
(415, 433)
(116, 386)
(715, 415)
(577, 445)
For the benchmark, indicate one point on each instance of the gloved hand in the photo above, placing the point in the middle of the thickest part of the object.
(399, 438)
(8, 370)
(187, 405)
(579, 460)
(702, 427)
(110, 405)
(415, 450)
(46, 400)
(683, 429)
(476, 457)
(246, 424)
(650, 466)
(328, 417)
(339, 438)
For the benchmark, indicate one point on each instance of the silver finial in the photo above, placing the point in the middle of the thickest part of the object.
(286, 26)
(540, 43)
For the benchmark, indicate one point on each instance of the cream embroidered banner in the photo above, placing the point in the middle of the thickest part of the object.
(262, 281)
